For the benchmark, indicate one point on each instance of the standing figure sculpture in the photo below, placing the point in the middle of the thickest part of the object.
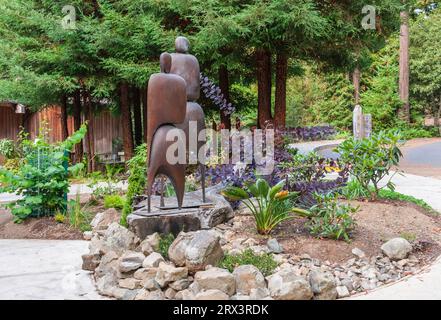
(170, 100)
(187, 66)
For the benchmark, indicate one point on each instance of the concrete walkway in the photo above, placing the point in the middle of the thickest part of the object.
(44, 269)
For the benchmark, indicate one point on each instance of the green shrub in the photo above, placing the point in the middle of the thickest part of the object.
(372, 159)
(264, 262)
(165, 243)
(271, 207)
(114, 201)
(137, 180)
(330, 219)
(42, 178)
(8, 149)
(354, 190)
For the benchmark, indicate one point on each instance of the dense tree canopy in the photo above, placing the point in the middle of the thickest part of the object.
(252, 48)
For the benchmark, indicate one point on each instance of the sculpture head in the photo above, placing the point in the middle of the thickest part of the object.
(165, 61)
(182, 45)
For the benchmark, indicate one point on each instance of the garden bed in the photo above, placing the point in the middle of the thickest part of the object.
(40, 228)
(377, 222)
(36, 228)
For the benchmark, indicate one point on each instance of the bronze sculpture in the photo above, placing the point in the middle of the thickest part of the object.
(172, 96)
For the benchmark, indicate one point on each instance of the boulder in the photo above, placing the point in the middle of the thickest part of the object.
(177, 250)
(130, 261)
(323, 285)
(170, 293)
(259, 293)
(180, 284)
(185, 294)
(104, 219)
(150, 284)
(150, 244)
(124, 294)
(285, 285)
(397, 248)
(216, 278)
(108, 264)
(90, 261)
(248, 277)
(130, 283)
(196, 250)
(150, 295)
(153, 260)
(106, 284)
(119, 239)
(342, 292)
(274, 246)
(168, 273)
(212, 294)
(145, 273)
(97, 246)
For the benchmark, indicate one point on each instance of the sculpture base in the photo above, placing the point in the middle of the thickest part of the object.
(194, 214)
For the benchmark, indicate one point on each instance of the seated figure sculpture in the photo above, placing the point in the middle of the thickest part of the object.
(171, 105)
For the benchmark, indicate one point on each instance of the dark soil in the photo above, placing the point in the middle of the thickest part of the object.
(40, 228)
(377, 222)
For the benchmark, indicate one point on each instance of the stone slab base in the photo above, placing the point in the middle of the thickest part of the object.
(216, 211)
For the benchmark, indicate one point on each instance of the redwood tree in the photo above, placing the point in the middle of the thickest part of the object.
(280, 98)
(224, 85)
(404, 111)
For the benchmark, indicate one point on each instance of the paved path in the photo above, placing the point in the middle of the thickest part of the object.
(428, 189)
(428, 154)
(44, 269)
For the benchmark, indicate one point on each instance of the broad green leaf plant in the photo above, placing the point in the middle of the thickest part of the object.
(270, 206)
(42, 178)
(372, 160)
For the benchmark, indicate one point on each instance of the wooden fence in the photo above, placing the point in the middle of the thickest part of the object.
(107, 128)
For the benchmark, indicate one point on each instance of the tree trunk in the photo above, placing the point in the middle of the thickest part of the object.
(356, 75)
(87, 99)
(64, 128)
(263, 60)
(144, 111)
(79, 152)
(404, 112)
(280, 99)
(136, 103)
(224, 85)
(126, 121)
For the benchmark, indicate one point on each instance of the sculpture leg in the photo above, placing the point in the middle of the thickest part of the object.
(177, 177)
(162, 203)
(151, 173)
